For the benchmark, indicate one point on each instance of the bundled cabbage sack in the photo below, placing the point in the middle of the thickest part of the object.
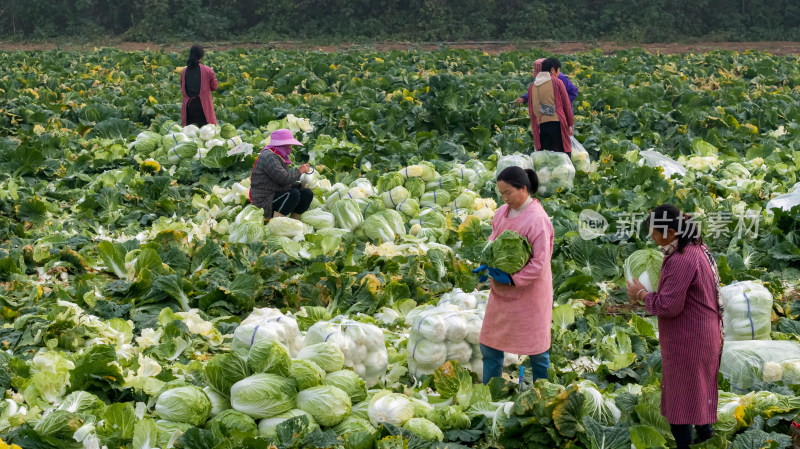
(509, 252)
(580, 157)
(644, 265)
(748, 311)
(361, 344)
(554, 170)
(517, 159)
(747, 363)
(267, 324)
(442, 333)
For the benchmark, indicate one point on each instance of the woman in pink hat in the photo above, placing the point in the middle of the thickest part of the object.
(197, 83)
(273, 186)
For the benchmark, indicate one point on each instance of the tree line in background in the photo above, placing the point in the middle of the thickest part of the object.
(414, 20)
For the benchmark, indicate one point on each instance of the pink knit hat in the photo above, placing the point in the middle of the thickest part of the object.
(281, 137)
(537, 66)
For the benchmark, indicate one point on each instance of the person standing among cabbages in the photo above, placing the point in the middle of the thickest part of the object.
(572, 91)
(197, 83)
(520, 309)
(273, 186)
(550, 109)
(689, 310)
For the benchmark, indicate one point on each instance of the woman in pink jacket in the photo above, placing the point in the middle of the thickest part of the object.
(520, 309)
(689, 311)
(197, 83)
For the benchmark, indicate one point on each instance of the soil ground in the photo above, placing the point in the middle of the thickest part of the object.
(774, 47)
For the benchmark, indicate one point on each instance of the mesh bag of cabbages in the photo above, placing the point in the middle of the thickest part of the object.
(361, 343)
(477, 300)
(448, 332)
(268, 324)
(747, 363)
(554, 170)
(441, 333)
(748, 311)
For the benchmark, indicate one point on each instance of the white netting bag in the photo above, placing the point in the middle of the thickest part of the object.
(520, 160)
(746, 363)
(748, 311)
(266, 323)
(362, 344)
(580, 157)
(554, 170)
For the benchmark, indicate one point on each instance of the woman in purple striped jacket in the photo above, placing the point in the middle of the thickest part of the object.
(689, 311)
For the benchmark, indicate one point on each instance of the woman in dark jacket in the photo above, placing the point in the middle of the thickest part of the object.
(197, 82)
(273, 186)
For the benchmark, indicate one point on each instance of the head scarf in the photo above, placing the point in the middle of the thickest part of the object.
(283, 151)
(537, 66)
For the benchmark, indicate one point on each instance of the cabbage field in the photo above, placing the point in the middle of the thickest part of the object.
(145, 304)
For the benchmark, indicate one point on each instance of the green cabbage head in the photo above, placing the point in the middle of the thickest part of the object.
(509, 252)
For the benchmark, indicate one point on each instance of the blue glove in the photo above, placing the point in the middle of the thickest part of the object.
(480, 268)
(483, 277)
(500, 276)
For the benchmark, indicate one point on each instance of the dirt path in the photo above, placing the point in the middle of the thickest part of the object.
(775, 47)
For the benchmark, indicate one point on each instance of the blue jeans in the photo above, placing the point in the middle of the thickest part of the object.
(493, 364)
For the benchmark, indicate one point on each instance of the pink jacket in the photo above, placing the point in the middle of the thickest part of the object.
(518, 317)
(208, 83)
(563, 111)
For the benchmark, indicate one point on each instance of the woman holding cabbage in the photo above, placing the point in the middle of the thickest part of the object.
(273, 186)
(520, 309)
(689, 310)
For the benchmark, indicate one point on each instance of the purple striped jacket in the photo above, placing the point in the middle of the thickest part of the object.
(689, 334)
